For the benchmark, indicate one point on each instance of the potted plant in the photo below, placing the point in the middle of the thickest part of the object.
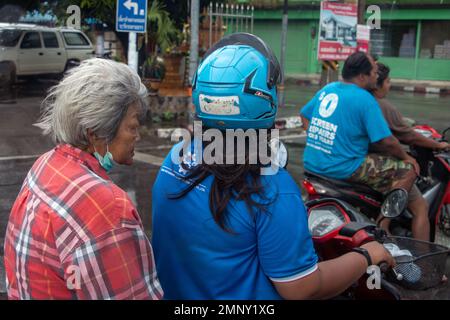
(162, 33)
(161, 36)
(153, 72)
(172, 59)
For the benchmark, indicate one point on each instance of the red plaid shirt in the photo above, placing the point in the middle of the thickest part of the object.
(73, 234)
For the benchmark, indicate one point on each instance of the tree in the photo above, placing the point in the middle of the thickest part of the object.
(104, 10)
(161, 29)
(11, 11)
(24, 4)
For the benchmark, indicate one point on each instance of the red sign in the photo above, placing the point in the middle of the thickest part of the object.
(341, 9)
(363, 37)
(337, 32)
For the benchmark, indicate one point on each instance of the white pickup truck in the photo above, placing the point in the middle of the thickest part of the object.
(32, 50)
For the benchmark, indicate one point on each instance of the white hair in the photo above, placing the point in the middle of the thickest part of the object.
(95, 95)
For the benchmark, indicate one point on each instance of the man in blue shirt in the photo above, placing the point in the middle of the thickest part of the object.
(224, 230)
(342, 120)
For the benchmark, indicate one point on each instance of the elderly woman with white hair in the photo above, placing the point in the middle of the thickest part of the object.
(73, 233)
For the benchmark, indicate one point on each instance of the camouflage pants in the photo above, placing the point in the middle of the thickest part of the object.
(380, 172)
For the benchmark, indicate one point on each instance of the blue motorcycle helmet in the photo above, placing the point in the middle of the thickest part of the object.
(235, 85)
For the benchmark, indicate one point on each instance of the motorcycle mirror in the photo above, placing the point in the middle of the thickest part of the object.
(444, 134)
(394, 203)
(279, 154)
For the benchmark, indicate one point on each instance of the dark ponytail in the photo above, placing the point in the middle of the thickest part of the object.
(231, 181)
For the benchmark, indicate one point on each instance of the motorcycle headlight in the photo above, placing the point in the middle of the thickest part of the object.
(324, 219)
(394, 203)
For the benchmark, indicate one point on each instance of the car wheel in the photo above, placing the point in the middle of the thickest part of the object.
(71, 64)
(7, 74)
(13, 75)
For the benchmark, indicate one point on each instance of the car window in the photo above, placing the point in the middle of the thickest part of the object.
(31, 40)
(75, 39)
(50, 40)
(9, 37)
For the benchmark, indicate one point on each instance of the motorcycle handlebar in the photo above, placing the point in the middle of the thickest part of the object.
(384, 267)
(445, 131)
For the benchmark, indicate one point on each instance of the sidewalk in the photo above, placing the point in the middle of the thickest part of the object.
(421, 86)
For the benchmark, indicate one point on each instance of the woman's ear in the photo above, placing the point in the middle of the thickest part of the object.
(92, 137)
(93, 141)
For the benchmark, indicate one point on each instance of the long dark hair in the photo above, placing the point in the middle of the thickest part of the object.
(383, 73)
(231, 181)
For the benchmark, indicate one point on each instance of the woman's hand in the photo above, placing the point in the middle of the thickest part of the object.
(378, 253)
(443, 146)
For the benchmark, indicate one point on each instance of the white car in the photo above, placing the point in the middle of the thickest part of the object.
(32, 50)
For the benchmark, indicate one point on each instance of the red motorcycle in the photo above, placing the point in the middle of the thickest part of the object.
(337, 227)
(434, 184)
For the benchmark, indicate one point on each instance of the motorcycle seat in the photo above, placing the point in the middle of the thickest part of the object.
(342, 184)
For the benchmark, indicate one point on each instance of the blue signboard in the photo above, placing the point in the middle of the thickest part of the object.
(131, 16)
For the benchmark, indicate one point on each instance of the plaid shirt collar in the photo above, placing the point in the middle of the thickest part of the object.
(82, 157)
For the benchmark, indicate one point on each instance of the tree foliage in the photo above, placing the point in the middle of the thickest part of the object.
(104, 10)
(161, 28)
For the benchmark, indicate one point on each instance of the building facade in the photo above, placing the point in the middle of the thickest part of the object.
(414, 38)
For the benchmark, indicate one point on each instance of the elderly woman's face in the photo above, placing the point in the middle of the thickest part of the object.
(122, 146)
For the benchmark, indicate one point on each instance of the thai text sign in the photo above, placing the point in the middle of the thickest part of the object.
(131, 16)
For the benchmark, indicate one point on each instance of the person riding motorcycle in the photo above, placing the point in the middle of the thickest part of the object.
(225, 231)
(406, 135)
(342, 120)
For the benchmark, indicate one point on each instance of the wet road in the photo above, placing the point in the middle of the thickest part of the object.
(21, 143)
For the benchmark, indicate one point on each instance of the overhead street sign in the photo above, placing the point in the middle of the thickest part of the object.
(131, 16)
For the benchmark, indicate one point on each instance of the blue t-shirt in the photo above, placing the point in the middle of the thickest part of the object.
(196, 259)
(343, 120)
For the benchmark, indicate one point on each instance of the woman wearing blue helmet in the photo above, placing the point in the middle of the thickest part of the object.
(223, 230)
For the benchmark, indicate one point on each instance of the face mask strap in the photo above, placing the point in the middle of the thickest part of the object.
(105, 161)
(107, 149)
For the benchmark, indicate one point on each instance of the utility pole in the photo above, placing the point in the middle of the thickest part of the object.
(284, 29)
(132, 51)
(361, 11)
(193, 53)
